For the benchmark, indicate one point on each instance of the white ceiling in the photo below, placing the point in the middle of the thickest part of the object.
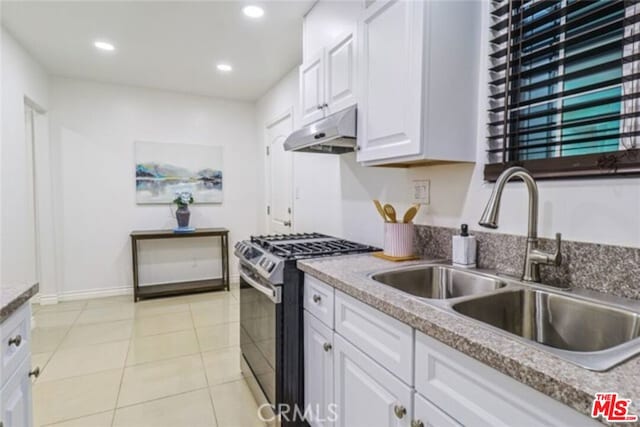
(166, 45)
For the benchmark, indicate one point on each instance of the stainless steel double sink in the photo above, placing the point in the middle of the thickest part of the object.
(589, 329)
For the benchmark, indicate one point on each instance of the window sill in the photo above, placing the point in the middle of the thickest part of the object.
(601, 165)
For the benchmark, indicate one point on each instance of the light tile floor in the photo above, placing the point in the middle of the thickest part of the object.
(165, 362)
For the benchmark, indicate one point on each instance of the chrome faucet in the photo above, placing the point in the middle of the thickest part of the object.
(533, 257)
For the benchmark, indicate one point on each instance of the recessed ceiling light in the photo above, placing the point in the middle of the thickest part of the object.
(102, 45)
(253, 11)
(224, 67)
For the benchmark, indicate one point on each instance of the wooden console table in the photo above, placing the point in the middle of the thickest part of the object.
(180, 288)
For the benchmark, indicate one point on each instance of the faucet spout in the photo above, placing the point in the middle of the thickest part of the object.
(491, 213)
(490, 216)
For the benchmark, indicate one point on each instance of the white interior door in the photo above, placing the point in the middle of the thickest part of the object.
(279, 209)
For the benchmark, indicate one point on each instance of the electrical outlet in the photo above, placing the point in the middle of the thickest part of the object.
(421, 191)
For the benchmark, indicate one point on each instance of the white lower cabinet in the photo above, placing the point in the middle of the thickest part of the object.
(15, 368)
(366, 394)
(478, 395)
(16, 398)
(318, 372)
(370, 363)
(426, 414)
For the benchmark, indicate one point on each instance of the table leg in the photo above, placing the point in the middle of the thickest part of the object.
(225, 258)
(134, 261)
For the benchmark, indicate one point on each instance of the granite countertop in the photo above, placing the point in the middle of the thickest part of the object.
(554, 377)
(12, 297)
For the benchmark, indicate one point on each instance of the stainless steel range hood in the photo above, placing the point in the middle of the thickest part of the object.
(335, 134)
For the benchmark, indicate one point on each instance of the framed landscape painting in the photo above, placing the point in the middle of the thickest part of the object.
(162, 170)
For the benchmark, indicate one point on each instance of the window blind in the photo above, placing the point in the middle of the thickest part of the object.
(564, 86)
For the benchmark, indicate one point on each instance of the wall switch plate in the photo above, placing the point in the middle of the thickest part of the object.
(421, 191)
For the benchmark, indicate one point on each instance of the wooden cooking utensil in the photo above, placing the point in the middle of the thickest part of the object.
(410, 214)
(380, 210)
(391, 212)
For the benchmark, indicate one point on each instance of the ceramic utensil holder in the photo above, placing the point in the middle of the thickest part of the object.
(398, 239)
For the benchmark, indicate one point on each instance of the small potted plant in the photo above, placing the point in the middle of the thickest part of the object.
(183, 200)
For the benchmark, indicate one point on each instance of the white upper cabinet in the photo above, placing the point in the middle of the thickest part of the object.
(417, 73)
(389, 113)
(340, 80)
(312, 89)
(328, 72)
(327, 80)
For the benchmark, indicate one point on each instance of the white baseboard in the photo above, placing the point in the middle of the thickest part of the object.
(45, 299)
(97, 293)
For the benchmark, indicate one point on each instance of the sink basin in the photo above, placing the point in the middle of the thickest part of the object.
(555, 320)
(437, 282)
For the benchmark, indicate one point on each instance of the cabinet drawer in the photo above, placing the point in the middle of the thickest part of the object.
(430, 415)
(477, 395)
(385, 339)
(15, 333)
(318, 299)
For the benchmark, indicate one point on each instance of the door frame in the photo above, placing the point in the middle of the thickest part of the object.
(47, 230)
(288, 112)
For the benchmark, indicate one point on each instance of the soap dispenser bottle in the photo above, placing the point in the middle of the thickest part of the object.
(464, 248)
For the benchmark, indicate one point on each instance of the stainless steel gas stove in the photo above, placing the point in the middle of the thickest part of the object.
(267, 255)
(271, 289)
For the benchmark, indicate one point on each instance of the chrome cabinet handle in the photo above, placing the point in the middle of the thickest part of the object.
(287, 223)
(320, 107)
(317, 298)
(325, 105)
(327, 346)
(17, 340)
(417, 423)
(35, 372)
(400, 411)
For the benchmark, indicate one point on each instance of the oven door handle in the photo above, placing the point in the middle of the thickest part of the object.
(272, 292)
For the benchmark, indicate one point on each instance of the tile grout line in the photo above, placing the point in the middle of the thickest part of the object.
(155, 399)
(126, 357)
(74, 418)
(57, 348)
(206, 377)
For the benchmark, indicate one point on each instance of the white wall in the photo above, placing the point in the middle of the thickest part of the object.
(22, 77)
(93, 128)
(316, 178)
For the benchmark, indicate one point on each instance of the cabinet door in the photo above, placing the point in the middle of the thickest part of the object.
(366, 394)
(390, 80)
(318, 371)
(426, 414)
(16, 398)
(312, 89)
(341, 74)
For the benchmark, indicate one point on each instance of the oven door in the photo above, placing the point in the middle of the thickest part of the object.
(261, 333)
